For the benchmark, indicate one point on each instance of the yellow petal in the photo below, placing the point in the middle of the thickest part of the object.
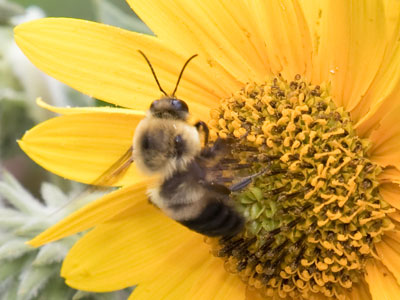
(393, 235)
(82, 146)
(382, 284)
(344, 48)
(208, 281)
(386, 141)
(95, 213)
(317, 297)
(220, 284)
(390, 174)
(102, 61)
(222, 32)
(79, 110)
(252, 294)
(383, 95)
(135, 247)
(282, 26)
(392, 9)
(395, 216)
(389, 251)
(359, 291)
(313, 12)
(391, 194)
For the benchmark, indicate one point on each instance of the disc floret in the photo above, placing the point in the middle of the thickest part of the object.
(314, 216)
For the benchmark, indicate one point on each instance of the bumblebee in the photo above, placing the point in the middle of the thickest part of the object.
(188, 190)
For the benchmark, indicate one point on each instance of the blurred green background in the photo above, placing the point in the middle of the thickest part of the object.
(21, 83)
(83, 9)
(106, 11)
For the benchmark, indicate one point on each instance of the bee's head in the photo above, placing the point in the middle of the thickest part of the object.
(164, 145)
(169, 108)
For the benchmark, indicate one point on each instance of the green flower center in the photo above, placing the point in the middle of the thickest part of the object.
(315, 214)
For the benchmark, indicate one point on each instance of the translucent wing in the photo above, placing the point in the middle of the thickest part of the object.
(110, 176)
(116, 170)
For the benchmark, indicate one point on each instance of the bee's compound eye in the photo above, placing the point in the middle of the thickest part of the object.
(179, 105)
(179, 145)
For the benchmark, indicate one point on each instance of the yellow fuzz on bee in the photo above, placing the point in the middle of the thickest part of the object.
(314, 216)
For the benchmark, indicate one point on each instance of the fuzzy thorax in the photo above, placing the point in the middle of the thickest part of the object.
(155, 150)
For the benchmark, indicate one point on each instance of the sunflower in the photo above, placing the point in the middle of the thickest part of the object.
(309, 89)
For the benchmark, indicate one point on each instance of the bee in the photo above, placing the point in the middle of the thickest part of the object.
(188, 191)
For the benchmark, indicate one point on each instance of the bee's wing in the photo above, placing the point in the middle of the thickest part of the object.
(110, 176)
(116, 170)
(225, 171)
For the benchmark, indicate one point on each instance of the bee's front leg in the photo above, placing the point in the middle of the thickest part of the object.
(219, 147)
(203, 126)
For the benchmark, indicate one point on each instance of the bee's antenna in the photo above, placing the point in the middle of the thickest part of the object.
(154, 73)
(180, 75)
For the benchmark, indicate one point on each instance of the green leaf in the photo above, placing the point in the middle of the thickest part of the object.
(32, 227)
(14, 248)
(12, 222)
(52, 195)
(11, 288)
(257, 193)
(10, 269)
(11, 219)
(254, 227)
(245, 199)
(34, 279)
(27, 273)
(50, 253)
(56, 290)
(256, 210)
(5, 236)
(16, 194)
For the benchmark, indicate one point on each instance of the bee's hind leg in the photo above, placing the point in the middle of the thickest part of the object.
(216, 187)
(244, 182)
(222, 189)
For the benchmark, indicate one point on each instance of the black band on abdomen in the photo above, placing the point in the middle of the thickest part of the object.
(217, 219)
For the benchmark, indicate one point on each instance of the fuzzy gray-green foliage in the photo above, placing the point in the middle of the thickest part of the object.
(27, 273)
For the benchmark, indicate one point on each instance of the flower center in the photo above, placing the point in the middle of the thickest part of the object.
(315, 214)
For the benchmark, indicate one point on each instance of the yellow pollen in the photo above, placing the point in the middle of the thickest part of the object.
(314, 214)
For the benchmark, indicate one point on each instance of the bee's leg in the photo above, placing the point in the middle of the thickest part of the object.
(246, 181)
(216, 187)
(204, 128)
(219, 147)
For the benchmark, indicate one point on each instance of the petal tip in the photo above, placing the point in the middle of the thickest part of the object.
(35, 242)
(22, 144)
(42, 104)
(22, 28)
